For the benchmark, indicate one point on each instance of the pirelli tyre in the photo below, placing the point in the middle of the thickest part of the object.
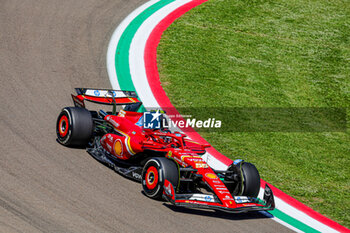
(74, 126)
(251, 180)
(155, 171)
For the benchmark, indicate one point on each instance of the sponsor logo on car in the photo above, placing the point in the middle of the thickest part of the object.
(169, 154)
(241, 199)
(118, 147)
(136, 175)
(195, 159)
(109, 137)
(211, 175)
(208, 198)
(227, 197)
(248, 204)
(121, 113)
(196, 202)
(97, 93)
(113, 122)
(202, 197)
(224, 192)
(201, 165)
(219, 185)
(180, 162)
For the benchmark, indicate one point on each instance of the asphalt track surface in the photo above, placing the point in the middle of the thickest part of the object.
(46, 49)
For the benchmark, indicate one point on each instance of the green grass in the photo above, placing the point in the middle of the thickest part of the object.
(270, 54)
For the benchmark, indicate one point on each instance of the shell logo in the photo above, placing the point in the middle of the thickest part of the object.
(211, 175)
(118, 147)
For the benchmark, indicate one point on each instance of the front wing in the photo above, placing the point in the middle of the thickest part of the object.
(210, 201)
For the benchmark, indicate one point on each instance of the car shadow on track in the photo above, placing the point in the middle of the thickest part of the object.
(220, 214)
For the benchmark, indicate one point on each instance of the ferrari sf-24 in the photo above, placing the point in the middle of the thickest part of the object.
(168, 164)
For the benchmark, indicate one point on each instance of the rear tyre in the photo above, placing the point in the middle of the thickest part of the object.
(154, 173)
(74, 127)
(251, 180)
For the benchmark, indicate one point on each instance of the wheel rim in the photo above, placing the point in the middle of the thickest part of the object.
(63, 126)
(151, 177)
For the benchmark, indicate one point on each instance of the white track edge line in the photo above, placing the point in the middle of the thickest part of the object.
(113, 43)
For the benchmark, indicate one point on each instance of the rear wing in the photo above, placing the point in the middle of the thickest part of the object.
(104, 96)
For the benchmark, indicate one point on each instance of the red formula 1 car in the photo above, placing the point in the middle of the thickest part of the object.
(168, 165)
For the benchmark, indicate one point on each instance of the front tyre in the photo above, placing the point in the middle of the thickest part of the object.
(74, 126)
(154, 173)
(251, 180)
